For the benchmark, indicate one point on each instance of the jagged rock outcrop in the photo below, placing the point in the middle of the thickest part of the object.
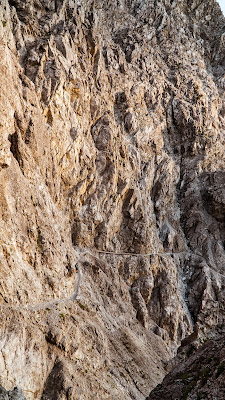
(199, 377)
(112, 139)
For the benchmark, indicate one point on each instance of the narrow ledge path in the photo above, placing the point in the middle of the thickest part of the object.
(78, 276)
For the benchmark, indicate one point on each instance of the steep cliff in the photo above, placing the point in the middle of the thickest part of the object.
(201, 376)
(112, 156)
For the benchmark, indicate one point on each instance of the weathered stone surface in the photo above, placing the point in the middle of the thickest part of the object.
(112, 139)
(200, 377)
(15, 394)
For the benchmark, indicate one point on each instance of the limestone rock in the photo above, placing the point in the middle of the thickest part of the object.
(112, 156)
(15, 394)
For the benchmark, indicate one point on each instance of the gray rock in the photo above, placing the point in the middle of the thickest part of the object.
(15, 394)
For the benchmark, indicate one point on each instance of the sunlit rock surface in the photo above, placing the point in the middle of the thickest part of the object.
(112, 139)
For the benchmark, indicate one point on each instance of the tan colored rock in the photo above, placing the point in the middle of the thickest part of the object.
(112, 139)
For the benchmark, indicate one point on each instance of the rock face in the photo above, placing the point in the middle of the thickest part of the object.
(202, 376)
(15, 394)
(112, 156)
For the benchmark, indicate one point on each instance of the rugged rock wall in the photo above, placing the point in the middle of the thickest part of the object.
(112, 139)
(199, 377)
